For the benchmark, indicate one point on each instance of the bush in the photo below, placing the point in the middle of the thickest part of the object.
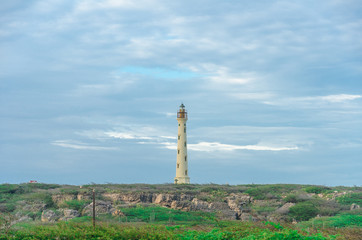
(41, 197)
(350, 198)
(8, 188)
(346, 220)
(317, 189)
(75, 204)
(303, 211)
(7, 207)
(265, 192)
(291, 198)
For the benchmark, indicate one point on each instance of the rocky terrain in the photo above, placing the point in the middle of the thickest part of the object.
(278, 202)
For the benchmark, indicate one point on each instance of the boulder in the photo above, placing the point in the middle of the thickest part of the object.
(285, 208)
(69, 214)
(355, 206)
(48, 216)
(199, 205)
(102, 207)
(237, 202)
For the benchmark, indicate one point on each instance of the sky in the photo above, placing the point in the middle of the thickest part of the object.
(89, 91)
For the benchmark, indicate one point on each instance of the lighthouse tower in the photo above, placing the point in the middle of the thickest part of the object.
(182, 175)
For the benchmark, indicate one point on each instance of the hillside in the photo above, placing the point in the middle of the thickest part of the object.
(277, 202)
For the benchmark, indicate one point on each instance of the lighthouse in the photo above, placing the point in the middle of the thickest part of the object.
(182, 175)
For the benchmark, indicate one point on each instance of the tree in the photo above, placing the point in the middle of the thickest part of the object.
(303, 211)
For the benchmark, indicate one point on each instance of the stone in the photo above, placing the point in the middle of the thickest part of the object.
(285, 208)
(48, 216)
(355, 206)
(102, 207)
(69, 214)
(118, 213)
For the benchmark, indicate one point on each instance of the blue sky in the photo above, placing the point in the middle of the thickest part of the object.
(89, 91)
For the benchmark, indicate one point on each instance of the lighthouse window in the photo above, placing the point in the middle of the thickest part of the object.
(185, 158)
(178, 151)
(185, 124)
(178, 165)
(186, 172)
(185, 144)
(179, 124)
(178, 137)
(185, 129)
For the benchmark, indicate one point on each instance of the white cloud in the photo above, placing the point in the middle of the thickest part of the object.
(127, 135)
(216, 146)
(313, 101)
(223, 75)
(89, 5)
(79, 145)
(253, 95)
(329, 98)
(340, 97)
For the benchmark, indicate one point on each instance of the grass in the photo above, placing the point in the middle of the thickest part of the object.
(231, 230)
(157, 214)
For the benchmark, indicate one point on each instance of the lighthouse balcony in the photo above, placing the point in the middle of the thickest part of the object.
(182, 115)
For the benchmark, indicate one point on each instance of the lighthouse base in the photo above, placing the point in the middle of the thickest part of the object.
(182, 180)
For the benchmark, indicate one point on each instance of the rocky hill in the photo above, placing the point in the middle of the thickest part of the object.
(276, 202)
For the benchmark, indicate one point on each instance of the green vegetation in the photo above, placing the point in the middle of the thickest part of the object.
(351, 198)
(75, 204)
(351, 219)
(231, 230)
(272, 191)
(128, 211)
(317, 189)
(303, 211)
(165, 215)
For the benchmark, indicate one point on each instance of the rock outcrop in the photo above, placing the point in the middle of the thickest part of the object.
(69, 214)
(355, 206)
(102, 207)
(48, 216)
(285, 208)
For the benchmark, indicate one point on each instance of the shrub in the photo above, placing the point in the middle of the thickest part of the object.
(41, 197)
(317, 189)
(7, 207)
(346, 220)
(303, 211)
(350, 198)
(291, 198)
(75, 204)
(8, 188)
(265, 192)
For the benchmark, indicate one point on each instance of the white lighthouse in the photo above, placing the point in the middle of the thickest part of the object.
(182, 175)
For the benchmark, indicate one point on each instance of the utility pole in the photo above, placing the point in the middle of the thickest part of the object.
(94, 208)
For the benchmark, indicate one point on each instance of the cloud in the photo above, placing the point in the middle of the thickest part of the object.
(219, 74)
(253, 95)
(216, 146)
(160, 73)
(340, 97)
(313, 101)
(127, 135)
(90, 5)
(80, 145)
